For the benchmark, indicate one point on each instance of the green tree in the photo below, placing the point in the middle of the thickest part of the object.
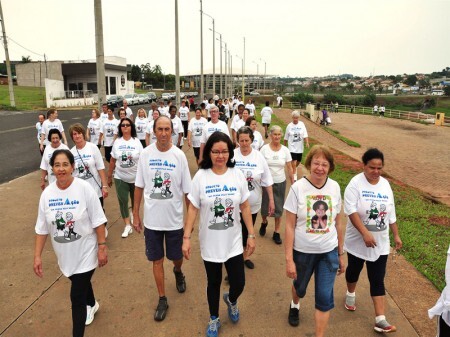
(26, 59)
(411, 80)
(303, 98)
(135, 73)
(447, 90)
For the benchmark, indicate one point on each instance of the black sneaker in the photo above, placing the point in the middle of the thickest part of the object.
(294, 316)
(180, 281)
(262, 230)
(161, 309)
(276, 237)
(249, 264)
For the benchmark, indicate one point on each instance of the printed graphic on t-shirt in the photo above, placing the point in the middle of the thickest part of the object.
(126, 159)
(198, 131)
(92, 131)
(83, 171)
(140, 128)
(297, 137)
(376, 217)
(65, 228)
(319, 209)
(109, 132)
(222, 217)
(161, 187)
(249, 178)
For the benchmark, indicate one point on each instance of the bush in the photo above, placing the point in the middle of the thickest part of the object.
(369, 100)
(447, 90)
(334, 98)
(303, 98)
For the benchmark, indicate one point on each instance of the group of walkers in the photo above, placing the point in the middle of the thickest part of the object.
(238, 177)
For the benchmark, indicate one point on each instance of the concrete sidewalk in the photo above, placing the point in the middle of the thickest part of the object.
(127, 294)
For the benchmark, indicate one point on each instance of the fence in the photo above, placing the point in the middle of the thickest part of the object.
(409, 115)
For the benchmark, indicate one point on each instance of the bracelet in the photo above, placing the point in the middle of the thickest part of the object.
(251, 236)
(101, 243)
(187, 237)
(342, 253)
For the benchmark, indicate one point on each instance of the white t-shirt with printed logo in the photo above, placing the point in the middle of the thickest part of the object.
(218, 197)
(69, 217)
(184, 113)
(177, 129)
(126, 153)
(295, 133)
(316, 210)
(94, 127)
(211, 127)
(141, 127)
(277, 161)
(109, 127)
(48, 125)
(196, 129)
(38, 128)
(149, 131)
(256, 174)
(238, 124)
(375, 206)
(252, 108)
(165, 178)
(45, 161)
(258, 140)
(88, 161)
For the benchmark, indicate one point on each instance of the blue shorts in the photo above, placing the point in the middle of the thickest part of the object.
(154, 244)
(324, 266)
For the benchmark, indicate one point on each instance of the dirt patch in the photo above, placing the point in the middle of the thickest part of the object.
(408, 127)
(440, 221)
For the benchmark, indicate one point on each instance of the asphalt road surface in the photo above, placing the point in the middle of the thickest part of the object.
(18, 139)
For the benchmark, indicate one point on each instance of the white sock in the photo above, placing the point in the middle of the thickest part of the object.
(293, 305)
(378, 319)
(351, 294)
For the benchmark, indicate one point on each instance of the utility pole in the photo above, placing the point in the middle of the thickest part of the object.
(100, 53)
(177, 57)
(265, 64)
(243, 75)
(12, 101)
(202, 89)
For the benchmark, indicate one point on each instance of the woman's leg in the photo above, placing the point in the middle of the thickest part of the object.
(123, 190)
(376, 272)
(214, 275)
(236, 276)
(81, 295)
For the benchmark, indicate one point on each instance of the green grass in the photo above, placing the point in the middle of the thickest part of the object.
(27, 98)
(344, 139)
(425, 244)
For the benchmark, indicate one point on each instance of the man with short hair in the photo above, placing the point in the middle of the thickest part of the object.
(212, 126)
(234, 123)
(104, 113)
(163, 175)
(128, 110)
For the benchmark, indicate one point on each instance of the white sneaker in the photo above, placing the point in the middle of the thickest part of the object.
(128, 230)
(106, 232)
(91, 312)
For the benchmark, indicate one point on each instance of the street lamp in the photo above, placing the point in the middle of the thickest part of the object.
(202, 89)
(177, 57)
(221, 76)
(264, 73)
(242, 93)
(257, 73)
(214, 53)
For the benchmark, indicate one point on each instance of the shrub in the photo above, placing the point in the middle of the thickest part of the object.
(334, 98)
(369, 100)
(303, 98)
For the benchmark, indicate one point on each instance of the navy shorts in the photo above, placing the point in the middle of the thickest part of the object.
(324, 266)
(154, 244)
(297, 156)
(197, 152)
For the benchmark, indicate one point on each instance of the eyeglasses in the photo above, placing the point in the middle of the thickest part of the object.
(125, 125)
(223, 153)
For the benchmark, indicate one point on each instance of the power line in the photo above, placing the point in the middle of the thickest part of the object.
(17, 43)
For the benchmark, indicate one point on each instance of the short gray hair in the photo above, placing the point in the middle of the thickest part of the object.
(274, 128)
(295, 113)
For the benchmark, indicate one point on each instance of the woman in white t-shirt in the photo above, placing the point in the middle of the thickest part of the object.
(218, 192)
(279, 160)
(71, 215)
(141, 123)
(258, 141)
(257, 175)
(369, 204)
(266, 117)
(124, 159)
(54, 137)
(183, 112)
(251, 107)
(314, 236)
(94, 128)
(150, 137)
(295, 138)
(195, 130)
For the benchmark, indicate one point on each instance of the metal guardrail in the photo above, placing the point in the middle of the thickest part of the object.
(71, 94)
(392, 113)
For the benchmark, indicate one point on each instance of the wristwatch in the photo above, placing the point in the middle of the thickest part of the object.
(251, 236)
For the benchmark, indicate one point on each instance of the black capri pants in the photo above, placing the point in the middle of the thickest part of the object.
(376, 271)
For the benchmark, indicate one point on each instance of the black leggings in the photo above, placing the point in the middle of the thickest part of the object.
(443, 328)
(244, 229)
(185, 127)
(236, 277)
(108, 150)
(81, 295)
(375, 272)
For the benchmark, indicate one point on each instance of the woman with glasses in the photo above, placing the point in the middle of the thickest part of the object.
(256, 176)
(219, 192)
(124, 158)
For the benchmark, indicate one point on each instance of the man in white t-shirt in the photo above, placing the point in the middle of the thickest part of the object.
(41, 119)
(177, 127)
(235, 122)
(251, 107)
(279, 101)
(214, 125)
(128, 110)
(104, 113)
(163, 175)
(52, 122)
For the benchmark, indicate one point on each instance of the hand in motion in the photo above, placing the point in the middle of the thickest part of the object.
(37, 267)
(251, 245)
(186, 248)
(102, 256)
(369, 240)
(137, 224)
(291, 270)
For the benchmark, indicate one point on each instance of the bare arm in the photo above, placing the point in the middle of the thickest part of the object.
(88, 134)
(340, 229)
(269, 191)
(397, 240)
(289, 172)
(188, 229)
(247, 216)
(202, 147)
(112, 166)
(38, 248)
(368, 238)
(43, 175)
(137, 224)
(289, 233)
(307, 141)
(102, 253)
(104, 183)
(64, 138)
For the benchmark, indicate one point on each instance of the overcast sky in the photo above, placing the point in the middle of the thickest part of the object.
(294, 37)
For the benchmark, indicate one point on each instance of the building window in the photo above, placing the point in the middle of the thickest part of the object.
(112, 85)
(107, 85)
(93, 87)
